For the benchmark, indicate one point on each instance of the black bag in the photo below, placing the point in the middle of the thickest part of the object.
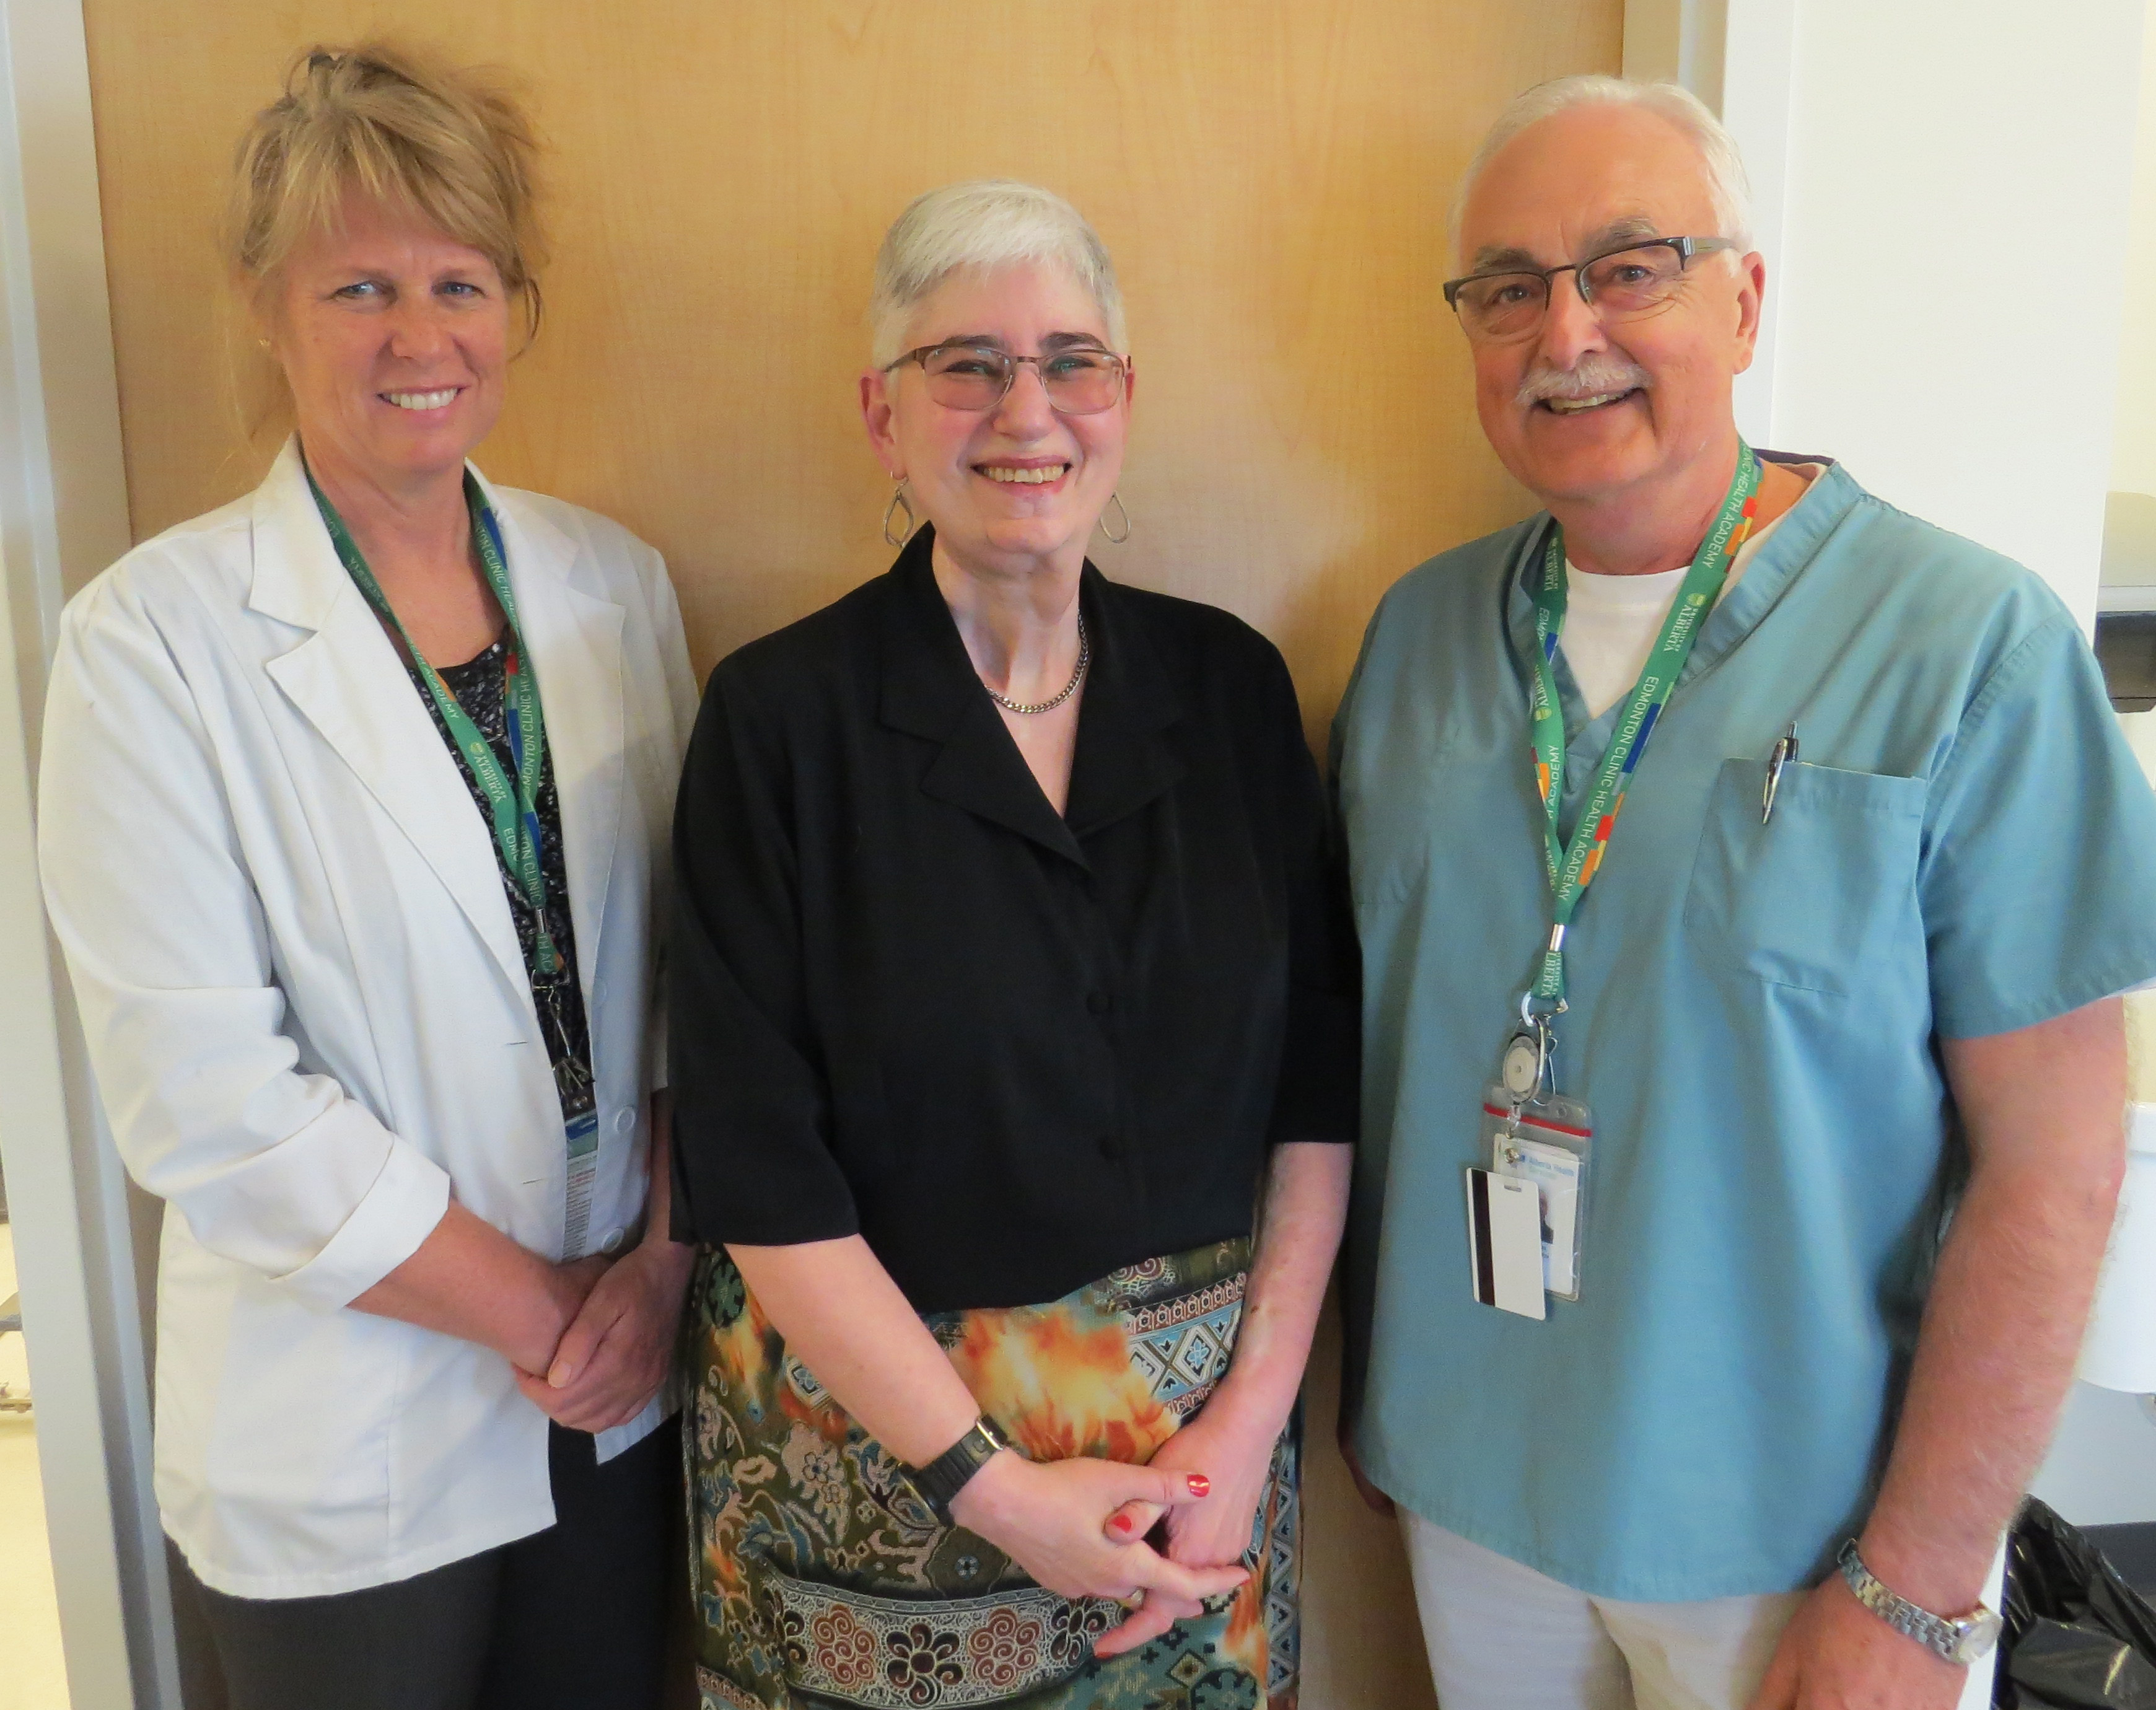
(2077, 1636)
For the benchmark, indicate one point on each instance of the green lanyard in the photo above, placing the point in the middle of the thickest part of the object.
(1572, 868)
(514, 805)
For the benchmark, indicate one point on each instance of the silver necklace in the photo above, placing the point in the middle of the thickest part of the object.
(1070, 688)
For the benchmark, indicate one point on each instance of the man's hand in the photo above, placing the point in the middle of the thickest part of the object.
(1836, 1655)
(616, 1353)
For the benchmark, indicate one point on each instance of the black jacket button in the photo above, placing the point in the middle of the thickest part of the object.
(1098, 1002)
(1112, 1148)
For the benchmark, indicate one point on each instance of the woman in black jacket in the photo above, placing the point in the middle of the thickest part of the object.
(1008, 970)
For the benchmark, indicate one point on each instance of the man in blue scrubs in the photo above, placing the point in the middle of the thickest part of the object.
(1830, 1125)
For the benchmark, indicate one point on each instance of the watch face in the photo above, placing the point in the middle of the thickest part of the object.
(1975, 1635)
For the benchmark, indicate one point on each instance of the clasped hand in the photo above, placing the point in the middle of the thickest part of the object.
(1053, 1519)
(621, 1317)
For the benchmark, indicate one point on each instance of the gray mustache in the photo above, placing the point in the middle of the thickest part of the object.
(1591, 377)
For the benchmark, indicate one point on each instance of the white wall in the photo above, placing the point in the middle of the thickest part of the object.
(2133, 445)
(1955, 241)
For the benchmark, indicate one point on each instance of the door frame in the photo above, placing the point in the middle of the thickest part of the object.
(63, 517)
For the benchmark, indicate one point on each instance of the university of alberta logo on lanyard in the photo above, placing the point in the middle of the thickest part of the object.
(1527, 1212)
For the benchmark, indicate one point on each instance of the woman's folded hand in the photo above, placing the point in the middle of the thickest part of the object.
(618, 1347)
(1051, 1519)
(1235, 1456)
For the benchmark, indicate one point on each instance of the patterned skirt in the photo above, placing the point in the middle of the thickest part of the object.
(823, 1581)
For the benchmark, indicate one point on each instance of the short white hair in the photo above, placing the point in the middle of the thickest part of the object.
(1730, 190)
(983, 223)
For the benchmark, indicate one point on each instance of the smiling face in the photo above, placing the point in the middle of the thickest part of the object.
(1017, 485)
(1585, 412)
(394, 339)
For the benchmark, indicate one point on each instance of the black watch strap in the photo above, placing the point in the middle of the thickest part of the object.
(939, 1483)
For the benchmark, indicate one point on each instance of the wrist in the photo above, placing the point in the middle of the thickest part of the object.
(668, 1257)
(983, 1498)
(541, 1322)
(1250, 1416)
(1933, 1577)
(1957, 1635)
(940, 1480)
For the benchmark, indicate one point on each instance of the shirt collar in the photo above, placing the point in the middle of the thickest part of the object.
(929, 689)
(1781, 558)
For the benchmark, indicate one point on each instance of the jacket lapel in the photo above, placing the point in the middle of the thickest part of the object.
(929, 689)
(1123, 761)
(573, 635)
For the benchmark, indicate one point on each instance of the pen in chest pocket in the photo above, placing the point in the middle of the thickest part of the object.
(1785, 754)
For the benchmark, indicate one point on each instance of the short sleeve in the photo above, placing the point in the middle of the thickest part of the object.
(752, 1106)
(1319, 1098)
(2038, 877)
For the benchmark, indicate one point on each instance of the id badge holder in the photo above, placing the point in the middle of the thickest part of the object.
(1546, 1141)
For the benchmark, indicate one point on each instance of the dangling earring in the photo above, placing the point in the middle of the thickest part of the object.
(898, 497)
(1116, 539)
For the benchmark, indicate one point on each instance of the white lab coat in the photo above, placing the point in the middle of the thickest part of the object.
(310, 1020)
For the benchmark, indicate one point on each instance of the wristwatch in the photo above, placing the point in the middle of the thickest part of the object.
(1958, 1639)
(939, 1483)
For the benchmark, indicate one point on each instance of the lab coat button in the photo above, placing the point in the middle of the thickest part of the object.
(624, 1123)
(611, 1243)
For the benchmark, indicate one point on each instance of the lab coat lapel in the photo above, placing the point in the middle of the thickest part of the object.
(574, 639)
(348, 682)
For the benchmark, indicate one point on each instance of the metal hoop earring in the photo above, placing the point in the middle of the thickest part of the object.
(898, 497)
(1116, 539)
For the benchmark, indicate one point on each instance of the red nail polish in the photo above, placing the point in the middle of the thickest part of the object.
(1200, 1485)
(1121, 1522)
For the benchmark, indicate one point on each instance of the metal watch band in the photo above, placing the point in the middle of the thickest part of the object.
(939, 1483)
(1961, 1639)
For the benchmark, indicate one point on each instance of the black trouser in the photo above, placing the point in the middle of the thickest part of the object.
(574, 1617)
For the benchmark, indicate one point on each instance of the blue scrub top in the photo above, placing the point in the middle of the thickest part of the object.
(1967, 847)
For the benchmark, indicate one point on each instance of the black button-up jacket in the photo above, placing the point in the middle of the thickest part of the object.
(1011, 1050)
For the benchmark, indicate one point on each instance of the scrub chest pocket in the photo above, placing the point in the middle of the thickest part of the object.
(1817, 892)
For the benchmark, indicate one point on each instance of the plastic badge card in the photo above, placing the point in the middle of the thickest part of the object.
(1547, 1146)
(1503, 1243)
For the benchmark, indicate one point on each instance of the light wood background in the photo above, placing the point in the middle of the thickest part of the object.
(1272, 176)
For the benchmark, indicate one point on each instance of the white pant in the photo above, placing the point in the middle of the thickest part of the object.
(1503, 1637)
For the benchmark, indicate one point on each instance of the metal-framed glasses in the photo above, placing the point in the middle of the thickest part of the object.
(1080, 379)
(1618, 284)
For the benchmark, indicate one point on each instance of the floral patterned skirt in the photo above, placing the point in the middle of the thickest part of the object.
(822, 1580)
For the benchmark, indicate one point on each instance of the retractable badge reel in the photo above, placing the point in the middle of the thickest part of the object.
(1535, 1138)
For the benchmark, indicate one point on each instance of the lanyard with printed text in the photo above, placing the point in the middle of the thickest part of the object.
(1573, 867)
(513, 804)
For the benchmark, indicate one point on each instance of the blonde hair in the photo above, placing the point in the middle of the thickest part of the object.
(403, 128)
(983, 223)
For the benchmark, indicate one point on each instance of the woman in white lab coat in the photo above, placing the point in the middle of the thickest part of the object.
(353, 804)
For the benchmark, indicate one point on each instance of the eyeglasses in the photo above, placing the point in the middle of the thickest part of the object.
(1080, 381)
(1619, 285)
